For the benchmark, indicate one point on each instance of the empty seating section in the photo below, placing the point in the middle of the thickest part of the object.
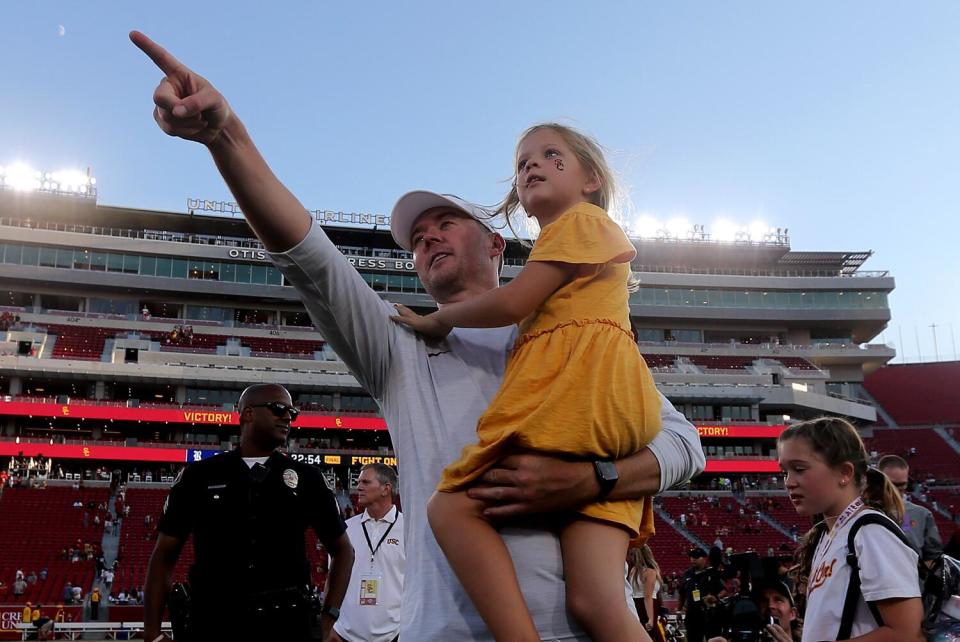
(137, 539)
(87, 343)
(659, 360)
(670, 548)
(796, 363)
(716, 362)
(918, 394)
(934, 457)
(297, 347)
(37, 525)
(697, 509)
(203, 341)
(79, 342)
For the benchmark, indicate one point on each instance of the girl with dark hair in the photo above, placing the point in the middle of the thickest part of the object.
(827, 478)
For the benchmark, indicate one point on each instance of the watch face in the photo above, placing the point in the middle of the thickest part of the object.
(607, 470)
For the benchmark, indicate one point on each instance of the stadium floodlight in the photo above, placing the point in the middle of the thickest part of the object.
(20, 177)
(724, 231)
(69, 182)
(647, 227)
(757, 231)
(679, 228)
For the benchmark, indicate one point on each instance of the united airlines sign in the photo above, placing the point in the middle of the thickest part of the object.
(322, 216)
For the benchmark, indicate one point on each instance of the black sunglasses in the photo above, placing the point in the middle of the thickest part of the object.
(278, 408)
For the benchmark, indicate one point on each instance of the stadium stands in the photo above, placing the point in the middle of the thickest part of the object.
(79, 342)
(87, 343)
(137, 539)
(717, 362)
(786, 515)
(670, 548)
(948, 499)
(704, 518)
(38, 525)
(795, 363)
(918, 393)
(659, 360)
(931, 455)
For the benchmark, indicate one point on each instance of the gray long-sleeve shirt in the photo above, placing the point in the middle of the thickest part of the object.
(431, 397)
(921, 529)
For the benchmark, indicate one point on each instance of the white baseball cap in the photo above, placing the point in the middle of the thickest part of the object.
(411, 205)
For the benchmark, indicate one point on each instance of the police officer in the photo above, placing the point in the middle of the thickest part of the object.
(248, 511)
(699, 595)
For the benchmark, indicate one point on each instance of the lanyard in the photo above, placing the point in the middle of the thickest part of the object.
(842, 519)
(373, 551)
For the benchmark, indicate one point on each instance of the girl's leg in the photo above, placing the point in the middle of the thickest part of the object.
(480, 559)
(593, 559)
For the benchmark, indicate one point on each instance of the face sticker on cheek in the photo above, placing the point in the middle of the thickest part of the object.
(559, 163)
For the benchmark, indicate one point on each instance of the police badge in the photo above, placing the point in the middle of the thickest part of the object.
(290, 478)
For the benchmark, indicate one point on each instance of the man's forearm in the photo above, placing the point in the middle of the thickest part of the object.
(156, 588)
(274, 213)
(639, 476)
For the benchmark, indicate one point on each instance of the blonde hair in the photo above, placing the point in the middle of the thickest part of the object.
(590, 154)
(837, 442)
(640, 558)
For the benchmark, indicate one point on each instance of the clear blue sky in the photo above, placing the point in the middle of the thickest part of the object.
(840, 121)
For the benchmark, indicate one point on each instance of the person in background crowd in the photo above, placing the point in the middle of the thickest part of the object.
(371, 608)
(828, 478)
(918, 523)
(645, 580)
(95, 604)
(775, 600)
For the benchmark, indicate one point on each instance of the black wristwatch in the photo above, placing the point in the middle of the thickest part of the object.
(607, 476)
(332, 611)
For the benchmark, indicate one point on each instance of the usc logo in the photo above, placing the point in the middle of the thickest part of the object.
(823, 573)
(64, 410)
(339, 422)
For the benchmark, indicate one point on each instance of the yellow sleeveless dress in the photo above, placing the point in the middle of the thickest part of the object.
(575, 384)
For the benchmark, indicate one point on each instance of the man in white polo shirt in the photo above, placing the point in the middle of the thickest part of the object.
(371, 609)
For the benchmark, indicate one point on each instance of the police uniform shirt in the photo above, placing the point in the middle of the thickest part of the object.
(249, 524)
(888, 569)
(371, 613)
(698, 584)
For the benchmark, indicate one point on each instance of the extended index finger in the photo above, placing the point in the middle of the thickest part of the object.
(161, 57)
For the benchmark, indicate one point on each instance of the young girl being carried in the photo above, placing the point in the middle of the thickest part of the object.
(828, 478)
(575, 385)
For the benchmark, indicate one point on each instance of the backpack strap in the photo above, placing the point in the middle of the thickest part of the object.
(853, 587)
